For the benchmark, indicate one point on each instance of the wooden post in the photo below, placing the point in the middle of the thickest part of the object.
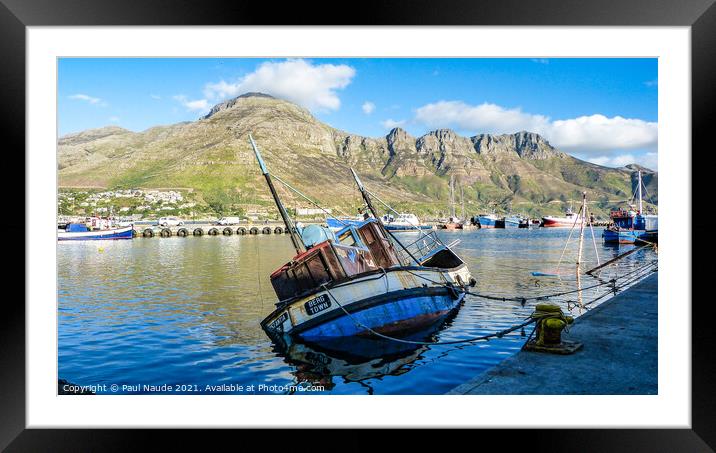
(581, 229)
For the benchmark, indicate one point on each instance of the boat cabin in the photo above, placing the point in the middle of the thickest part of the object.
(353, 250)
(631, 220)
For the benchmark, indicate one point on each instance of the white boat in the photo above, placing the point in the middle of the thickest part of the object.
(404, 222)
(569, 220)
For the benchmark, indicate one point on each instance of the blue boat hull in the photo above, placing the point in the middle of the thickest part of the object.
(397, 312)
(122, 233)
(629, 236)
(487, 222)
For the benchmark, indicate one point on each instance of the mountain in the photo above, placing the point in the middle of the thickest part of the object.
(212, 158)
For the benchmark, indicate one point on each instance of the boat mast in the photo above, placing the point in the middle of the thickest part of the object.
(366, 197)
(452, 196)
(640, 206)
(295, 239)
(462, 202)
(371, 208)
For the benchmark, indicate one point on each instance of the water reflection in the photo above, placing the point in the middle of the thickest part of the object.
(187, 310)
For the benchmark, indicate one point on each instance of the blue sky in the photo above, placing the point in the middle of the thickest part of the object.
(602, 110)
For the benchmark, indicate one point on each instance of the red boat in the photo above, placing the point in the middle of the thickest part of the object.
(567, 221)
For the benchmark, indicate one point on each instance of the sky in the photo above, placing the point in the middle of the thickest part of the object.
(597, 109)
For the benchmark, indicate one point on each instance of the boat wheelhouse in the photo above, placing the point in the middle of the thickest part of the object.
(361, 280)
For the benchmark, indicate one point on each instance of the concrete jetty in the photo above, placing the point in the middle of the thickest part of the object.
(619, 355)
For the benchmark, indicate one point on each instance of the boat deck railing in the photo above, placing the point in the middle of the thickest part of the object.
(423, 246)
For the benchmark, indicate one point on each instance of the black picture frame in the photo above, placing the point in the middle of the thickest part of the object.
(700, 15)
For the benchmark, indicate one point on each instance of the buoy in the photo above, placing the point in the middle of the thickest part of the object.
(198, 232)
(227, 231)
(241, 231)
(266, 230)
(148, 233)
(213, 232)
(254, 230)
(182, 232)
(166, 232)
(278, 230)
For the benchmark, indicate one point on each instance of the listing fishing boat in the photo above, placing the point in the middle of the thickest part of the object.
(631, 227)
(361, 280)
(94, 229)
(570, 219)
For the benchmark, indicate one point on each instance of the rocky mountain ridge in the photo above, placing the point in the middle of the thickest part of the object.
(519, 171)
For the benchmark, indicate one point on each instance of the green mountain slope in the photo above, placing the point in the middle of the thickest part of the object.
(212, 157)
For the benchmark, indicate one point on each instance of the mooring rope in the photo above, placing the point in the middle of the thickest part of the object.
(534, 317)
(499, 334)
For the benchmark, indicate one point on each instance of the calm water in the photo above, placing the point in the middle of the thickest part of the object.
(185, 312)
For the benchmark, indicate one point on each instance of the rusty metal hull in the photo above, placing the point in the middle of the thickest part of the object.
(394, 302)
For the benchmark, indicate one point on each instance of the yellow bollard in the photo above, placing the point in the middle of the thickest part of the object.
(551, 321)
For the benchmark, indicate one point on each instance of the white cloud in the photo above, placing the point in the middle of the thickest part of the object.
(391, 124)
(368, 107)
(485, 117)
(299, 81)
(201, 105)
(648, 160)
(599, 133)
(586, 134)
(87, 98)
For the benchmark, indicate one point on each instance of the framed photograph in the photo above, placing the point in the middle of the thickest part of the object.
(445, 219)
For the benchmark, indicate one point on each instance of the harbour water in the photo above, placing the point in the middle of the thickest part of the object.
(181, 315)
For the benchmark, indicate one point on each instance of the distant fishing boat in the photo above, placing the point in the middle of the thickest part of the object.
(361, 279)
(452, 223)
(80, 232)
(516, 221)
(569, 220)
(488, 221)
(629, 226)
(404, 222)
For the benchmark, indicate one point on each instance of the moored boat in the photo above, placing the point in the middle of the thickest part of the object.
(361, 280)
(453, 222)
(631, 227)
(488, 221)
(77, 231)
(570, 219)
(404, 222)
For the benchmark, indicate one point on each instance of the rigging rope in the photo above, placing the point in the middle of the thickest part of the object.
(499, 334)
(571, 230)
